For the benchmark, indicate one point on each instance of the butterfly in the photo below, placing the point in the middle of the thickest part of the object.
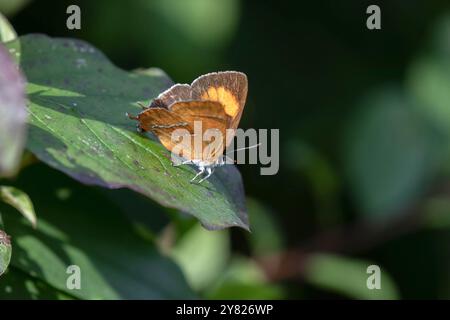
(212, 105)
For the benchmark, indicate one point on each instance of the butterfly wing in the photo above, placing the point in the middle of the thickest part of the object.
(228, 87)
(217, 99)
(186, 115)
(176, 93)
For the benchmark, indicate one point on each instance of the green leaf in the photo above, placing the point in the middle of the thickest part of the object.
(266, 236)
(429, 79)
(86, 230)
(347, 276)
(244, 279)
(77, 105)
(7, 32)
(19, 200)
(15, 284)
(12, 114)
(202, 255)
(5, 251)
(388, 154)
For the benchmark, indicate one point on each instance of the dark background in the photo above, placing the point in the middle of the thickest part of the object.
(363, 115)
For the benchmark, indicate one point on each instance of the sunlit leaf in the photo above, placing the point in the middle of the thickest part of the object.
(7, 32)
(19, 200)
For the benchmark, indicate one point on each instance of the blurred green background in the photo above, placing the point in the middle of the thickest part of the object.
(364, 119)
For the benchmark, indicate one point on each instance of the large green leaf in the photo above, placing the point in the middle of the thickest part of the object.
(12, 114)
(87, 230)
(77, 105)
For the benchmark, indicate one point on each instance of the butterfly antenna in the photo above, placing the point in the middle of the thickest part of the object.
(239, 149)
(143, 106)
(228, 159)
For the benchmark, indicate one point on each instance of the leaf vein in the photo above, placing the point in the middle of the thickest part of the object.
(105, 144)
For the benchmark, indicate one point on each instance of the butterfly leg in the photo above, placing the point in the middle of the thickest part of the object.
(181, 163)
(209, 173)
(198, 174)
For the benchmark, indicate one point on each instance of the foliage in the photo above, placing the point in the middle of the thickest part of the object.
(364, 153)
(114, 261)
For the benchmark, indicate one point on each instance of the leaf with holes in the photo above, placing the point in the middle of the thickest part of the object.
(77, 106)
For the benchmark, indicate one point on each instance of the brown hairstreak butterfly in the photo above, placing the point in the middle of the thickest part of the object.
(213, 103)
